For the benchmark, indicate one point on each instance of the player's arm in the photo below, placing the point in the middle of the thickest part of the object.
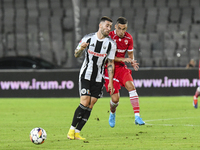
(110, 69)
(120, 59)
(133, 61)
(130, 58)
(79, 50)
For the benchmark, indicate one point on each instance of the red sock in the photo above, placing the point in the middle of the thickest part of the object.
(134, 101)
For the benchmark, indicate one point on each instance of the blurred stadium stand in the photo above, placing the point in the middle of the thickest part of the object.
(36, 28)
(166, 33)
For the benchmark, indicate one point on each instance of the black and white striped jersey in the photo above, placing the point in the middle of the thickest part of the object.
(96, 54)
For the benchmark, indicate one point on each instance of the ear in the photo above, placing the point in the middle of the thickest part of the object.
(100, 25)
(115, 26)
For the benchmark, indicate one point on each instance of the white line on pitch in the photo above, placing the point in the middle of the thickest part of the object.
(169, 119)
(170, 124)
(189, 125)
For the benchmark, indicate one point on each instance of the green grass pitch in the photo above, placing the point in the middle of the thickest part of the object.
(171, 123)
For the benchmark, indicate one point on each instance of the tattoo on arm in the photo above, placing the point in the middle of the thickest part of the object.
(78, 53)
(110, 68)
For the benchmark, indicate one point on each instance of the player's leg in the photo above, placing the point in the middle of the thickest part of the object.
(134, 99)
(78, 115)
(84, 119)
(197, 93)
(114, 102)
(84, 86)
(195, 98)
(95, 92)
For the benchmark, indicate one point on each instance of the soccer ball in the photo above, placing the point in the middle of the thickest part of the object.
(38, 135)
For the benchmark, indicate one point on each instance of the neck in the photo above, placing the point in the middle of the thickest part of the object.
(100, 36)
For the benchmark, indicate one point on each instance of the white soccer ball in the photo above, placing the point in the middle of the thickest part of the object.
(38, 135)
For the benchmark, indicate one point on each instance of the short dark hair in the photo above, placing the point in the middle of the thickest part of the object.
(122, 20)
(105, 18)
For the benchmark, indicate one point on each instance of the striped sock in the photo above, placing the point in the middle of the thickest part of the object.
(134, 101)
(113, 106)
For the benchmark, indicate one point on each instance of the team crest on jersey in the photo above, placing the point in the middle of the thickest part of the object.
(83, 91)
(126, 42)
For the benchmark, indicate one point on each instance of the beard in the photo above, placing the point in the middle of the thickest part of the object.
(105, 34)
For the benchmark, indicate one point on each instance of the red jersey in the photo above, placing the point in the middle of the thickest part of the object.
(123, 44)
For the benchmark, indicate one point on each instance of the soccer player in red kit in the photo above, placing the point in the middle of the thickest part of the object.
(122, 75)
(197, 93)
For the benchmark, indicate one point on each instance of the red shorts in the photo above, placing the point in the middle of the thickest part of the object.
(121, 76)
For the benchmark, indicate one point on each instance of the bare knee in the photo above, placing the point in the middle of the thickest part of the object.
(115, 98)
(92, 102)
(85, 100)
(129, 86)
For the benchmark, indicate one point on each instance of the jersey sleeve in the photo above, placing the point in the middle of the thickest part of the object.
(84, 39)
(111, 55)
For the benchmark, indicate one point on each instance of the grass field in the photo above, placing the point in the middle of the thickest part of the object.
(171, 123)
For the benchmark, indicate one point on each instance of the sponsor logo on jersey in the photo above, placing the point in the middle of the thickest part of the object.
(96, 54)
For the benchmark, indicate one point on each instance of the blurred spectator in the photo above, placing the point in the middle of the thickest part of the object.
(191, 64)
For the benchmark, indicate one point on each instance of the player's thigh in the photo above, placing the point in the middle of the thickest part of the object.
(125, 76)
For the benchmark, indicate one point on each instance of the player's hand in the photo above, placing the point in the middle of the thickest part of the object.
(135, 65)
(128, 60)
(84, 45)
(110, 88)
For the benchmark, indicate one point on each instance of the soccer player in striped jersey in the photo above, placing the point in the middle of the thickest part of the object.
(98, 48)
(122, 75)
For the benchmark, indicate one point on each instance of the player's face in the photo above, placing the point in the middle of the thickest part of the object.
(105, 28)
(120, 29)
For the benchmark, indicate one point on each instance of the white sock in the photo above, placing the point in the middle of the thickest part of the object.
(72, 127)
(77, 131)
(137, 114)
